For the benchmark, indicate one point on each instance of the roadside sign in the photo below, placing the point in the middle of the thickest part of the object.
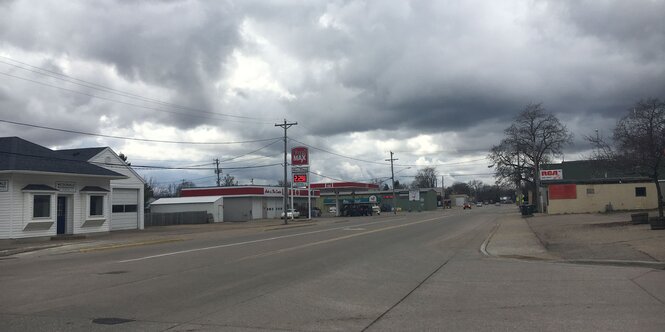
(551, 174)
(300, 178)
(299, 156)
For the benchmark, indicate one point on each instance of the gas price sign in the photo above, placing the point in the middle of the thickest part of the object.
(299, 178)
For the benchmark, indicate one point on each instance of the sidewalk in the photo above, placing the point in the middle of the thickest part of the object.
(579, 238)
(148, 236)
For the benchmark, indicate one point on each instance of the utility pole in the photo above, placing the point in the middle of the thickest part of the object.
(286, 126)
(392, 176)
(443, 194)
(218, 172)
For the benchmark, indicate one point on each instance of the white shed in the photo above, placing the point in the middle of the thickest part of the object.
(213, 205)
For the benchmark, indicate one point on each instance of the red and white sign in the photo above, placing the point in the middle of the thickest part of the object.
(551, 174)
(300, 178)
(299, 156)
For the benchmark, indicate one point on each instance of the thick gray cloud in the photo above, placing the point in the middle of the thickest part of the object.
(360, 77)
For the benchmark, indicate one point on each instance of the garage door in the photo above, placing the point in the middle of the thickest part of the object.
(125, 209)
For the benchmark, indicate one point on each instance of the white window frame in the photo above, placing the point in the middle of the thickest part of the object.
(50, 207)
(88, 196)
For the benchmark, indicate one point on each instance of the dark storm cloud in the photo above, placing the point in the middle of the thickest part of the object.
(458, 71)
(410, 66)
(178, 46)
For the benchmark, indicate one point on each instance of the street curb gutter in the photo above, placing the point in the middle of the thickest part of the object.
(483, 247)
(647, 264)
(128, 245)
(287, 227)
(11, 252)
(606, 262)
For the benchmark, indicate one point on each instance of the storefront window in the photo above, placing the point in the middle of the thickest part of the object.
(41, 207)
(96, 206)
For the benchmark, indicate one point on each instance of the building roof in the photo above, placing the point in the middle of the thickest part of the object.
(84, 154)
(38, 187)
(592, 171)
(333, 186)
(17, 154)
(186, 200)
(94, 188)
(243, 191)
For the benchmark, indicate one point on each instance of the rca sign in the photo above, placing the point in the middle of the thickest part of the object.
(551, 174)
(299, 156)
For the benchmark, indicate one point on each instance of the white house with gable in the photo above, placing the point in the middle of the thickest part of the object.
(126, 194)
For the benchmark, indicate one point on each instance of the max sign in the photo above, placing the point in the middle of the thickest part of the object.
(551, 174)
(299, 156)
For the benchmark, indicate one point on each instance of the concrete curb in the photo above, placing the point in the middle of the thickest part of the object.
(16, 251)
(127, 245)
(611, 262)
(275, 228)
(606, 262)
(483, 247)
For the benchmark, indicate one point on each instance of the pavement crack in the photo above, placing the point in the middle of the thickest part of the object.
(633, 280)
(407, 295)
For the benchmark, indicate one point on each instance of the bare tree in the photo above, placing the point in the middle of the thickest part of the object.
(461, 188)
(425, 178)
(534, 138)
(149, 189)
(280, 183)
(399, 185)
(475, 186)
(229, 180)
(639, 143)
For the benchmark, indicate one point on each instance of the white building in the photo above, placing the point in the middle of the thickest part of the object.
(213, 205)
(126, 194)
(43, 193)
(243, 203)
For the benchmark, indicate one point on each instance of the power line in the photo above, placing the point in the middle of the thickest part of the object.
(111, 165)
(337, 154)
(325, 176)
(106, 89)
(132, 138)
(131, 104)
(380, 163)
(248, 153)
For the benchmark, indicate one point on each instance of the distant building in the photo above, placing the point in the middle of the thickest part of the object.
(243, 203)
(591, 186)
(458, 199)
(212, 205)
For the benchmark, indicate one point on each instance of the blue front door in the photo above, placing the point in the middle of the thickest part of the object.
(62, 214)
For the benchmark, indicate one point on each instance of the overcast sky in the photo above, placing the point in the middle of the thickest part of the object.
(436, 82)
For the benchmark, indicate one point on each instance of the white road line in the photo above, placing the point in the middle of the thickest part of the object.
(249, 242)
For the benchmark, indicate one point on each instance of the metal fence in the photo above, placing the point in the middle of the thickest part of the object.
(177, 218)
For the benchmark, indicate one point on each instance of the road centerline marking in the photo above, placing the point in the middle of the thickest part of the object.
(247, 242)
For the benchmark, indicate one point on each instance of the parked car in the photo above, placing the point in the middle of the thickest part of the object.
(479, 204)
(467, 206)
(376, 209)
(332, 209)
(291, 213)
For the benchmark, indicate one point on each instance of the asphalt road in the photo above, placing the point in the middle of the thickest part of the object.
(414, 271)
